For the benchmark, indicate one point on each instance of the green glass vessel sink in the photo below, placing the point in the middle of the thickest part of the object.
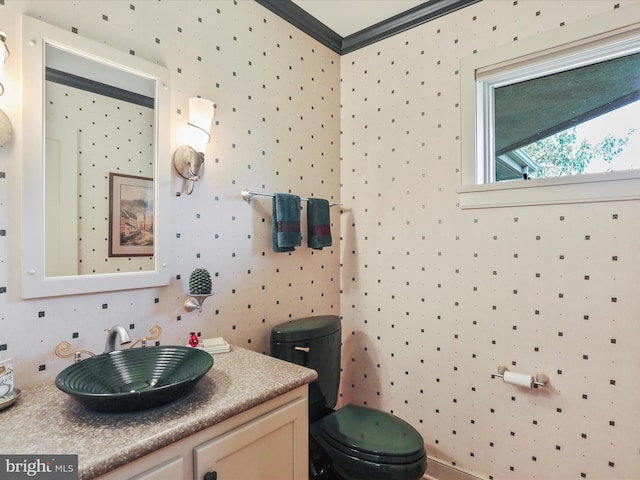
(134, 379)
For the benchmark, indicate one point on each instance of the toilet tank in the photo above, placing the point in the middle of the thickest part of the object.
(313, 342)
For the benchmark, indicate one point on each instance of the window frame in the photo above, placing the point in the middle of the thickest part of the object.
(596, 39)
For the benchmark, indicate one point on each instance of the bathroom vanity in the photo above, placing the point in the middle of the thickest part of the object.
(246, 417)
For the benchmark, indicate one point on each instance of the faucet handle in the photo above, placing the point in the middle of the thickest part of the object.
(63, 350)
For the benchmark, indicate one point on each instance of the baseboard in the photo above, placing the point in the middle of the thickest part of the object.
(441, 471)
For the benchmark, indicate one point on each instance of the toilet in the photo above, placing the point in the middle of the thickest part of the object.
(354, 442)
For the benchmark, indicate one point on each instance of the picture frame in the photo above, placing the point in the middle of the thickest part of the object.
(131, 216)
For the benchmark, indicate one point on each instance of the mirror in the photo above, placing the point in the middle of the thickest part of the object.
(95, 128)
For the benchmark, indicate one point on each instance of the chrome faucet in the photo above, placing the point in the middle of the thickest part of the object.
(112, 334)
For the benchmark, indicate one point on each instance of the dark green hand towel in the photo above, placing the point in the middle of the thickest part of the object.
(318, 223)
(285, 227)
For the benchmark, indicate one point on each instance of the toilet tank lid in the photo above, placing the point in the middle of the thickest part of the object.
(305, 328)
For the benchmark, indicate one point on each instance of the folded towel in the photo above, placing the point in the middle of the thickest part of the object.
(213, 342)
(220, 345)
(318, 223)
(215, 345)
(285, 228)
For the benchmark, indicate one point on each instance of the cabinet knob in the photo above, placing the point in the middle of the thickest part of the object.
(211, 476)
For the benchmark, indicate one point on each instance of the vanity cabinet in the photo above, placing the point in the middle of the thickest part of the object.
(268, 441)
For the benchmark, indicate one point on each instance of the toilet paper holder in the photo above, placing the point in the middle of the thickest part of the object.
(540, 379)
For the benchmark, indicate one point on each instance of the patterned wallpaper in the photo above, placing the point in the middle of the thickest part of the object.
(435, 298)
(276, 130)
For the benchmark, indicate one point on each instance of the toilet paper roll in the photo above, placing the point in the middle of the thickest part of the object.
(519, 379)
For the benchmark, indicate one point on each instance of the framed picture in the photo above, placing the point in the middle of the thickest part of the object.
(131, 216)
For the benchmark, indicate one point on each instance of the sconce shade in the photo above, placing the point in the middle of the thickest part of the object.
(201, 113)
(188, 158)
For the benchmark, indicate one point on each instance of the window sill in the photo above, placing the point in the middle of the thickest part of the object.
(597, 187)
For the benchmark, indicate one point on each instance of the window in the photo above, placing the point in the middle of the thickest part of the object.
(533, 117)
(562, 123)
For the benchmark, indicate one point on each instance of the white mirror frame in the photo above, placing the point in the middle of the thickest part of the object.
(35, 284)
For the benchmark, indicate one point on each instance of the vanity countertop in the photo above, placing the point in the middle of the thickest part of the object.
(45, 420)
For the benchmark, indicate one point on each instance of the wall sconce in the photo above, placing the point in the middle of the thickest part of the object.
(5, 55)
(6, 130)
(187, 159)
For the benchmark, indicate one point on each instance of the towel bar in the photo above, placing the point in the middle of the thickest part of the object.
(247, 195)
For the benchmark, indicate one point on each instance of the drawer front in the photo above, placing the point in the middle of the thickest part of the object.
(170, 470)
(152, 467)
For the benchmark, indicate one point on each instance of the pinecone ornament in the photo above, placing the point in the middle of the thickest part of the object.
(200, 282)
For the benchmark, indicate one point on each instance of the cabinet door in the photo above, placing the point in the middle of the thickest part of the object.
(271, 447)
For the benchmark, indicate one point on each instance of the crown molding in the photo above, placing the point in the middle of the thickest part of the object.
(299, 18)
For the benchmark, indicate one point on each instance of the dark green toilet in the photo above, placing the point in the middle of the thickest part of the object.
(352, 443)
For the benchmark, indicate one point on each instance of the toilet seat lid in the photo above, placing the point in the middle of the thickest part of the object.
(372, 434)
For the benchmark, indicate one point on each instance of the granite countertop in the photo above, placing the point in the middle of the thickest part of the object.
(45, 420)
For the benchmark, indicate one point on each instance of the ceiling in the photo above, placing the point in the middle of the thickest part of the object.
(346, 17)
(347, 25)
